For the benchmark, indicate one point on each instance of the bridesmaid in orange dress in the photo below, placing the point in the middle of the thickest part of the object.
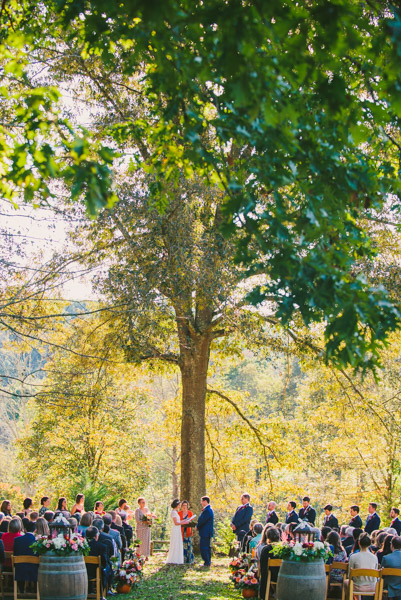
(143, 528)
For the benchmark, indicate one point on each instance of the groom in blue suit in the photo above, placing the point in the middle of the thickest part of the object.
(205, 529)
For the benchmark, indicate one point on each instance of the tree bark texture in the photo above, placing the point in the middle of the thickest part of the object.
(194, 367)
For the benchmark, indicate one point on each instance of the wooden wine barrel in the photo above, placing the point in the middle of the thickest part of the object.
(62, 577)
(300, 580)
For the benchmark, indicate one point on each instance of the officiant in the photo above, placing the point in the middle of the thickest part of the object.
(187, 533)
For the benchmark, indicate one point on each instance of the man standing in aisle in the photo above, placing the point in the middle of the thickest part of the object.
(205, 529)
(242, 517)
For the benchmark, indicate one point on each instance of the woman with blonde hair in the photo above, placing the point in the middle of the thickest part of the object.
(142, 513)
(42, 527)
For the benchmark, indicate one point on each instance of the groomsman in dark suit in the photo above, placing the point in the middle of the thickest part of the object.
(242, 517)
(356, 520)
(395, 523)
(330, 520)
(271, 515)
(307, 513)
(291, 516)
(373, 520)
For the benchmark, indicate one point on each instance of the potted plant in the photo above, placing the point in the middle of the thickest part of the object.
(129, 574)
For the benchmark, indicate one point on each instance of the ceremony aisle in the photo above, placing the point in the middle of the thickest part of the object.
(180, 583)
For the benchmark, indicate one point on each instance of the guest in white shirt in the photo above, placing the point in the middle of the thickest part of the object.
(363, 559)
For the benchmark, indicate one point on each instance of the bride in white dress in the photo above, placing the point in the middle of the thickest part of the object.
(175, 554)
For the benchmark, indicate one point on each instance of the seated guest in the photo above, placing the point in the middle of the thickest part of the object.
(28, 505)
(107, 520)
(42, 527)
(386, 548)
(257, 529)
(129, 534)
(49, 516)
(373, 519)
(271, 516)
(307, 513)
(330, 520)
(355, 534)
(20, 515)
(263, 541)
(356, 520)
(248, 536)
(25, 571)
(324, 533)
(363, 560)
(33, 516)
(380, 541)
(373, 536)
(291, 516)
(117, 525)
(348, 541)
(393, 561)
(44, 505)
(73, 524)
(14, 531)
(272, 537)
(343, 530)
(98, 549)
(6, 508)
(79, 505)
(2, 554)
(104, 538)
(124, 506)
(1, 520)
(85, 522)
(395, 520)
(4, 525)
(98, 510)
(339, 555)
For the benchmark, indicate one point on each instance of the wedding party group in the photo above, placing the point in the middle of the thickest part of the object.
(361, 545)
(108, 533)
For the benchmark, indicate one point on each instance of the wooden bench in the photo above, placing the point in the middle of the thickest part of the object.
(159, 543)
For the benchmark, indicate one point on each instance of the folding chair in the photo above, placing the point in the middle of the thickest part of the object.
(383, 573)
(25, 559)
(6, 575)
(343, 567)
(273, 562)
(327, 571)
(363, 573)
(95, 560)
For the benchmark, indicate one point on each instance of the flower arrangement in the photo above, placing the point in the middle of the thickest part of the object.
(61, 545)
(305, 552)
(130, 571)
(148, 520)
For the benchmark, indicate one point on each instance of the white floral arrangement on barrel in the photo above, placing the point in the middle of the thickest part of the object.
(302, 551)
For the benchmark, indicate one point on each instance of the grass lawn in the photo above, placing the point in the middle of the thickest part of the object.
(183, 583)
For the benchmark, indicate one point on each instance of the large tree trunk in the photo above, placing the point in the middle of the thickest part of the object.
(194, 367)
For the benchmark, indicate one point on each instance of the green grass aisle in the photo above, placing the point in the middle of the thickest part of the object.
(183, 583)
